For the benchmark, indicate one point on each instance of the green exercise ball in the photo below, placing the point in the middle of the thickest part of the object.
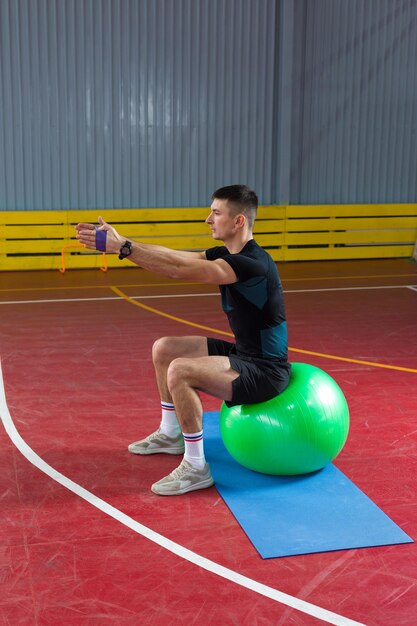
(299, 431)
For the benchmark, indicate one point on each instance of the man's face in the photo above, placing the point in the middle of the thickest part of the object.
(220, 220)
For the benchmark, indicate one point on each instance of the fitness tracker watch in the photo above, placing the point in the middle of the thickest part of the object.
(125, 250)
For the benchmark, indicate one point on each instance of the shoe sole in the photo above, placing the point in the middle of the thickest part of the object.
(157, 451)
(203, 485)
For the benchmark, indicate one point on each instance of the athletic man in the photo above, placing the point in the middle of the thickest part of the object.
(253, 369)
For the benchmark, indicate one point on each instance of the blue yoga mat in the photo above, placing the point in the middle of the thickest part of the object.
(286, 516)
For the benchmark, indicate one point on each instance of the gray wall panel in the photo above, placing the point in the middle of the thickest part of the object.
(136, 103)
(133, 102)
(359, 102)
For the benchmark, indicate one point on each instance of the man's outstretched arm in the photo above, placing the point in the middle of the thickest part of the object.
(181, 265)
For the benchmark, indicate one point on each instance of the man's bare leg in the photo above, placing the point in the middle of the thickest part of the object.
(167, 349)
(168, 437)
(185, 378)
(182, 369)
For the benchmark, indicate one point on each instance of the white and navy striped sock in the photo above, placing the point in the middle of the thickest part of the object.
(194, 449)
(169, 421)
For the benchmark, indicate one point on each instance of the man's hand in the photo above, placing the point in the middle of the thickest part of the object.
(104, 238)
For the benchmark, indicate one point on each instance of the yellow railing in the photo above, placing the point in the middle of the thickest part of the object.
(32, 240)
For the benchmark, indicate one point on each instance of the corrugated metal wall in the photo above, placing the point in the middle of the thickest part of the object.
(121, 103)
(130, 103)
(356, 132)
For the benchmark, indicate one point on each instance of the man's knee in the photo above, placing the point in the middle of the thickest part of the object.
(162, 350)
(166, 349)
(178, 373)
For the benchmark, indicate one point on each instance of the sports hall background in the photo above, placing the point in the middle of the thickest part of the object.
(137, 105)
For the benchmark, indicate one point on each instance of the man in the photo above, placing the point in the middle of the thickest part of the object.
(253, 369)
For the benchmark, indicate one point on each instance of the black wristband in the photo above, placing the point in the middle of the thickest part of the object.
(125, 250)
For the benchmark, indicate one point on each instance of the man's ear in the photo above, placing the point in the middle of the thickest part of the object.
(240, 220)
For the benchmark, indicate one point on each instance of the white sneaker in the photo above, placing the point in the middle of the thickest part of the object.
(158, 443)
(183, 479)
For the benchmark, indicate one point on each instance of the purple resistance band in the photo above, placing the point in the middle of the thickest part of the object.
(101, 236)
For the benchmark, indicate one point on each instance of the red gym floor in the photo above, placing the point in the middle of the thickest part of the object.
(98, 547)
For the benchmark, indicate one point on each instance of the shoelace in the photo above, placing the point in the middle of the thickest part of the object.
(180, 470)
(158, 434)
(154, 435)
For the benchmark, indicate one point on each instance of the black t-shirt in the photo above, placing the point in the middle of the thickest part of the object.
(255, 304)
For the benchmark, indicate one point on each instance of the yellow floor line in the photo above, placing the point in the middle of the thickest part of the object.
(357, 361)
(171, 317)
(227, 334)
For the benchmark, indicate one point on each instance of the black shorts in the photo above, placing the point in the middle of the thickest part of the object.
(258, 380)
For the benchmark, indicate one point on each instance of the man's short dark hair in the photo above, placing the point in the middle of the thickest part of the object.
(240, 199)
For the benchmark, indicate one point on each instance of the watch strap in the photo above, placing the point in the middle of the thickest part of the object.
(125, 250)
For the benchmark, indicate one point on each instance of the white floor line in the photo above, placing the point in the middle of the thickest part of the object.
(196, 295)
(55, 300)
(175, 548)
(59, 300)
